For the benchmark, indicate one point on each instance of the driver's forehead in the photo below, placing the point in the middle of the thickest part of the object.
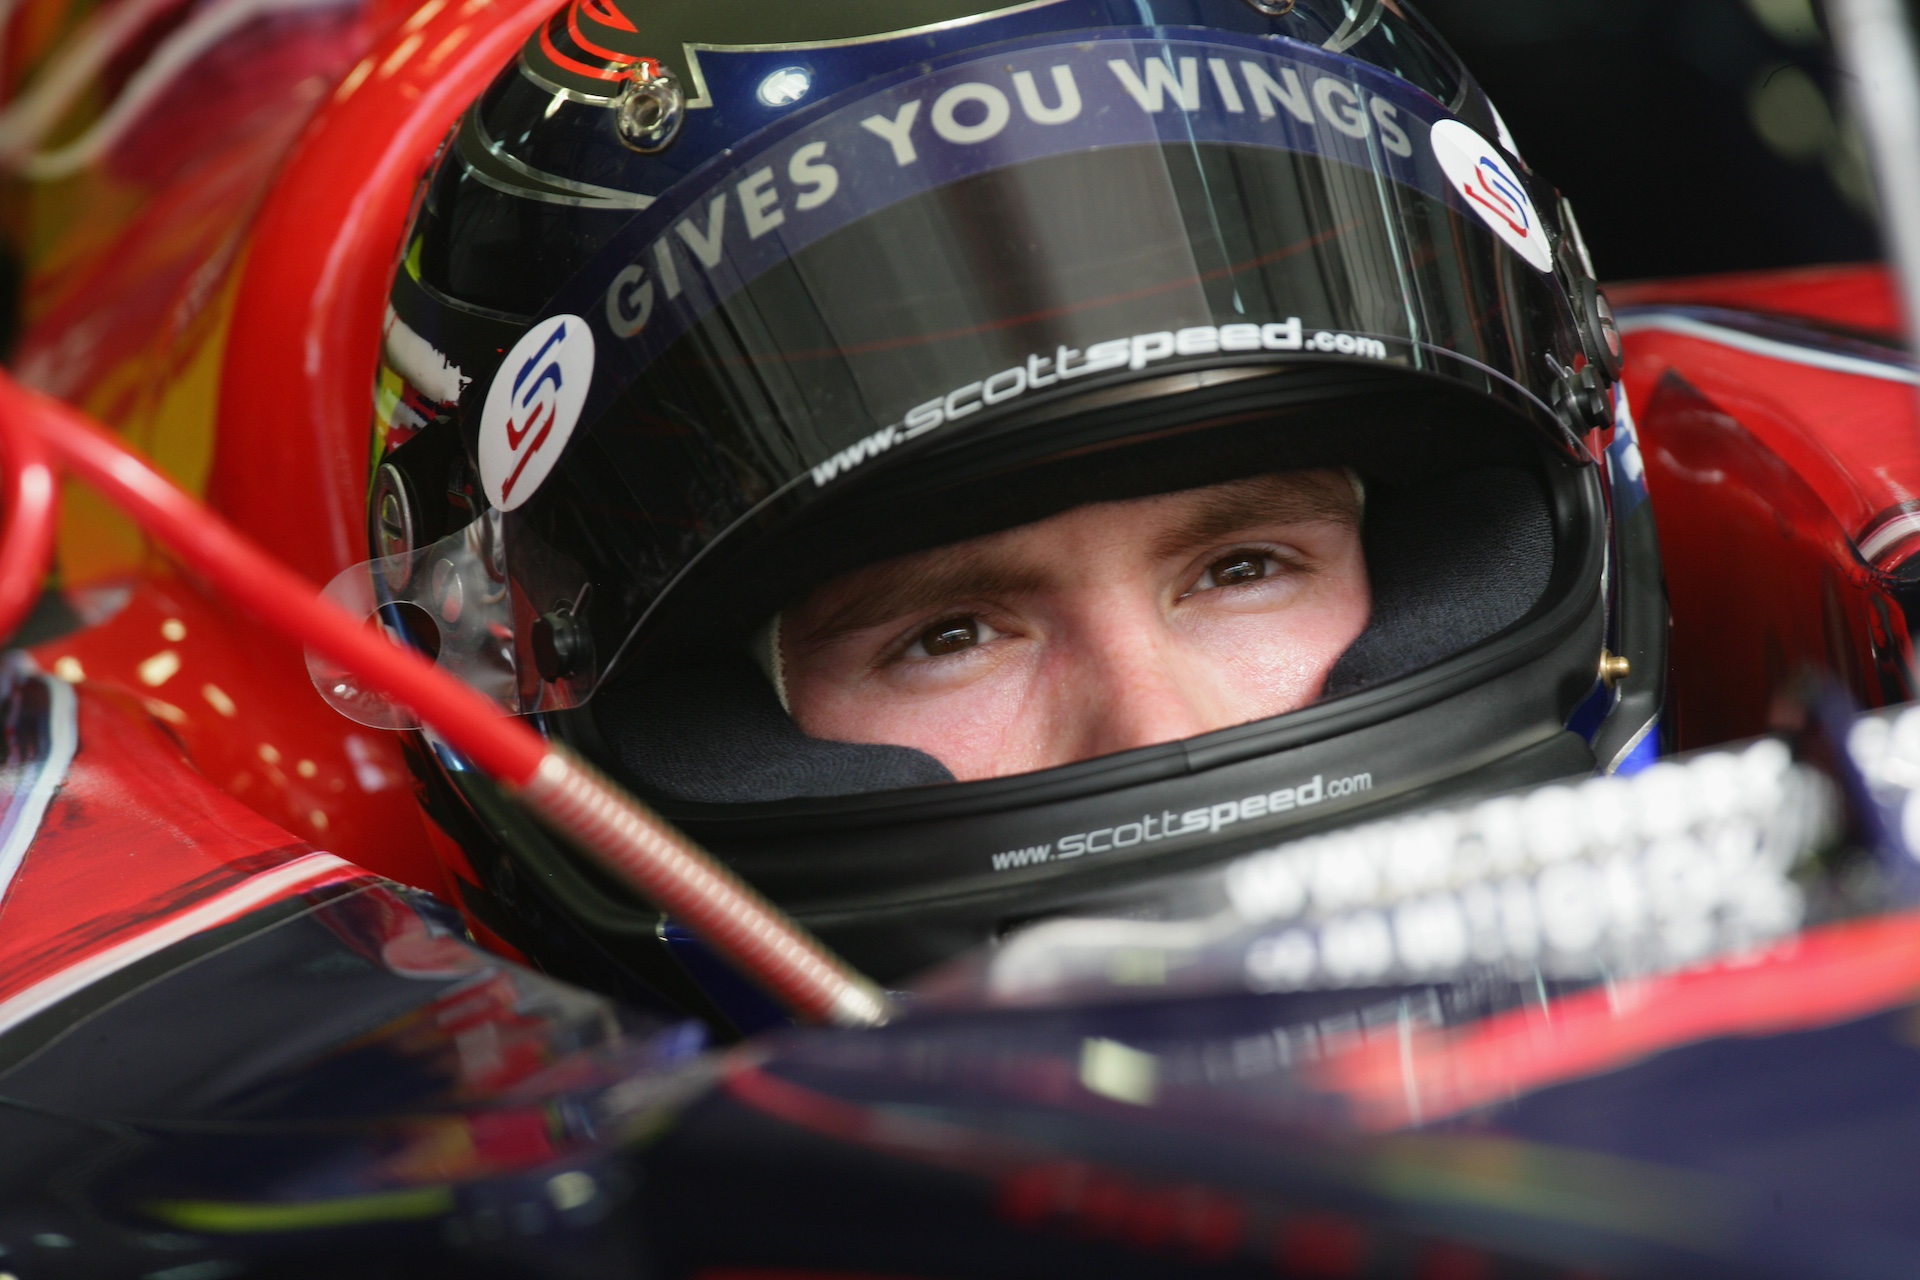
(1137, 530)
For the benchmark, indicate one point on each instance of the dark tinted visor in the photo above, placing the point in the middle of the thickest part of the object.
(954, 251)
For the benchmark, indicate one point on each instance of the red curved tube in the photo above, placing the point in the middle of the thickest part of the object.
(632, 841)
(275, 594)
(32, 496)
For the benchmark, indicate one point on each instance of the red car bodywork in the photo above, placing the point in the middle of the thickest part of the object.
(1782, 491)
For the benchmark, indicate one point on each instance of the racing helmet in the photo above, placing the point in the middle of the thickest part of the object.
(705, 303)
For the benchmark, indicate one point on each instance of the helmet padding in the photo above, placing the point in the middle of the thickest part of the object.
(1451, 564)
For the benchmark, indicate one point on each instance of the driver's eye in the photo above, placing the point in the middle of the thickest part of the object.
(949, 636)
(1241, 566)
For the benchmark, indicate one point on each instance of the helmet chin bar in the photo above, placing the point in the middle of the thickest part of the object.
(617, 831)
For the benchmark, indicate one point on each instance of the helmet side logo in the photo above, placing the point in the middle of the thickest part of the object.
(589, 48)
(533, 407)
(1492, 189)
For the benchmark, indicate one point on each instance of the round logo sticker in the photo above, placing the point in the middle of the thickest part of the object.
(532, 408)
(1493, 189)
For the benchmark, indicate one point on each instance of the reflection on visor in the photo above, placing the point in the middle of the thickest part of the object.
(1362, 17)
(451, 600)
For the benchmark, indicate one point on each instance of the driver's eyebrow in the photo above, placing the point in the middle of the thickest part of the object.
(1252, 504)
(916, 584)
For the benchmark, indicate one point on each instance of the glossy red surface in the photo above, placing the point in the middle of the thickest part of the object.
(134, 837)
(236, 699)
(1765, 475)
(1856, 296)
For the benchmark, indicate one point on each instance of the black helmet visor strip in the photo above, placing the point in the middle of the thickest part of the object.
(930, 257)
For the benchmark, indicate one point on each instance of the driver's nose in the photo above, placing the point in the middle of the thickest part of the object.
(1127, 684)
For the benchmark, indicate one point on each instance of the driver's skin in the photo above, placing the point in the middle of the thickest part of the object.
(1110, 626)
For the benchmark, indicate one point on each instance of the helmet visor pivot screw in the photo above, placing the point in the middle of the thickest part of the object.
(650, 111)
(558, 642)
(561, 642)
